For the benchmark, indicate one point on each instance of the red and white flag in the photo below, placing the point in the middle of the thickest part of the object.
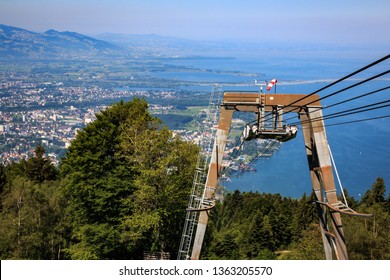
(271, 84)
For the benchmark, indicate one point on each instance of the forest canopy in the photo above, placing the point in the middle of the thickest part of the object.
(122, 189)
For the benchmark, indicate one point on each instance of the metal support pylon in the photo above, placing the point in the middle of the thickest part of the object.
(324, 188)
(212, 178)
(317, 154)
(198, 200)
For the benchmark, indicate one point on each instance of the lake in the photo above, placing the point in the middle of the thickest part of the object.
(361, 150)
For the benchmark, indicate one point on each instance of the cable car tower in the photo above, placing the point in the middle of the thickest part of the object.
(319, 157)
(309, 110)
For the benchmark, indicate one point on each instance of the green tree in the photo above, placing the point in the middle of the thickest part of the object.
(38, 168)
(304, 214)
(165, 166)
(127, 184)
(376, 194)
(224, 247)
(309, 246)
(369, 238)
(229, 248)
(30, 216)
(266, 254)
(98, 182)
(259, 237)
(231, 207)
(31, 210)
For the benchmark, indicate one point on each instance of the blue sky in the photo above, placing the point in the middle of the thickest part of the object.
(333, 22)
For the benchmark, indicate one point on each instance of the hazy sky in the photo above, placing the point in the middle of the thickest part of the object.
(328, 21)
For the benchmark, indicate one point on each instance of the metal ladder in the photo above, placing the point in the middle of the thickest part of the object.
(196, 201)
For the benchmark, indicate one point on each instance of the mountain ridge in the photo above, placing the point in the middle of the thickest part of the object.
(18, 42)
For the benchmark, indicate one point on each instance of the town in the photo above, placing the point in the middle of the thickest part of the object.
(47, 102)
(33, 114)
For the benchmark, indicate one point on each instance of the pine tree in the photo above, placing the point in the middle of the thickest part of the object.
(376, 194)
(38, 168)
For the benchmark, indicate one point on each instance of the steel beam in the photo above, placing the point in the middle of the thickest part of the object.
(324, 172)
(321, 174)
(311, 153)
(223, 128)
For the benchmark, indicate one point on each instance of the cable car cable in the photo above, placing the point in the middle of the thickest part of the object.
(347, 112)
(348, 100)
(343, 78)
(357, 121)
(334, 93)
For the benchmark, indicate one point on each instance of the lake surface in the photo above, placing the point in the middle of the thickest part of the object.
(361, 150)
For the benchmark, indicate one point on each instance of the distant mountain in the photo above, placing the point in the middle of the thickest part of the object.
(143, 39)
(17, 42)
(155, 45)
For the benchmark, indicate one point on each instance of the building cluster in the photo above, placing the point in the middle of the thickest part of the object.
(21, 94)
(33, 114)
(22, 131)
